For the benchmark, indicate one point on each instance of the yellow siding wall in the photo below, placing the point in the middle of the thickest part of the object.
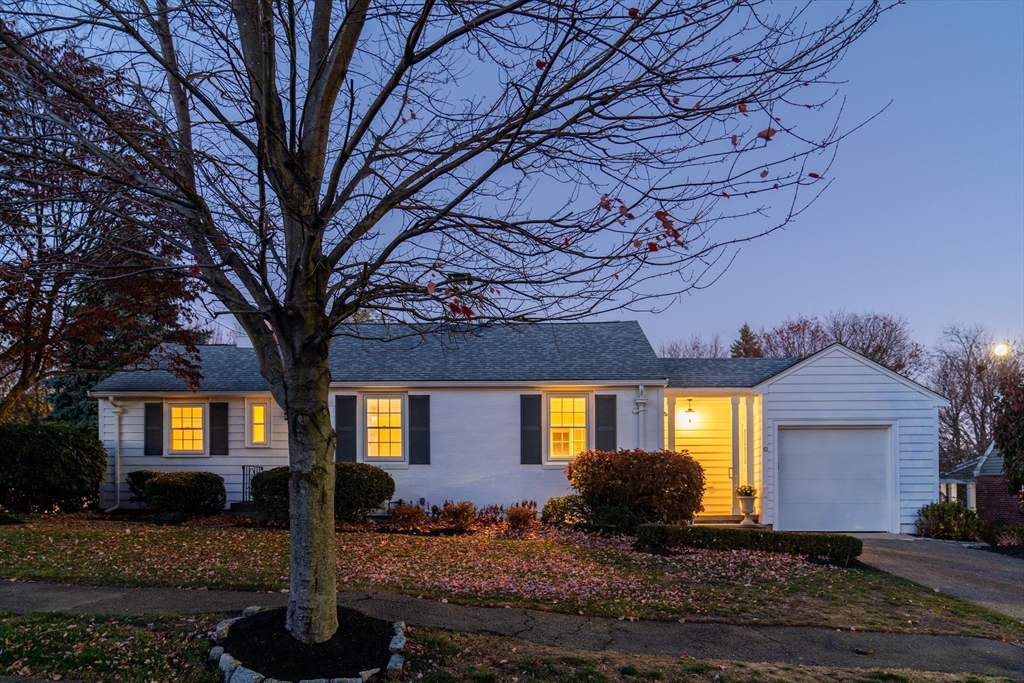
(709, 440)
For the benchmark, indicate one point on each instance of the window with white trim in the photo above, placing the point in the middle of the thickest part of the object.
(187, 429)
(567, 426)
(384, 425)
(259, 423)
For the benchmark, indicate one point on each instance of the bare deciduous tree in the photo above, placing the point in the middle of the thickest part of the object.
(967, 372)
(456, 161)
(882, 338)
(695, 346)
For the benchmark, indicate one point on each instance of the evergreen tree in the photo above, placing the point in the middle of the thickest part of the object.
(748, 345)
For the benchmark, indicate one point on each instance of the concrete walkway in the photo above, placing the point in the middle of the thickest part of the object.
(792, 645)
(987, 579)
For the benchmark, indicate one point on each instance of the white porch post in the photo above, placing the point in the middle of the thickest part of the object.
(972, 500)
(952, 492)
(671, 420)
(735, 470)
(749, 446)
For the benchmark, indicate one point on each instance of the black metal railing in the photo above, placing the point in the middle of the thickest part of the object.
(248, 472)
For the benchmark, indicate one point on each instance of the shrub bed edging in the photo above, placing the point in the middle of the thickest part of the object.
(234, 672)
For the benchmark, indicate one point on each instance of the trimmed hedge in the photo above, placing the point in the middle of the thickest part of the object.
(836, 547)
(50, 466)
(359, 489)
(622, 489)
(270, 492)
(188, 492)
(137, 483)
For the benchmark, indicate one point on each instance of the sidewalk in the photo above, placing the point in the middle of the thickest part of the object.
(791, 645)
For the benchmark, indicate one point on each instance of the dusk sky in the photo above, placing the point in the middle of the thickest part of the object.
(925, 215)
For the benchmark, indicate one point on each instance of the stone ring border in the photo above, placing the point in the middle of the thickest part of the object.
(234, 672)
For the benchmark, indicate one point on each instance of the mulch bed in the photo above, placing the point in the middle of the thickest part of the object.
(1011, 550)
(262, 644)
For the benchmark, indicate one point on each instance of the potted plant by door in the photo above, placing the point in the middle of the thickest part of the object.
(746, 495)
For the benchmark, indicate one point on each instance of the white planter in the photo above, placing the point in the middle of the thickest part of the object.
(747, 508)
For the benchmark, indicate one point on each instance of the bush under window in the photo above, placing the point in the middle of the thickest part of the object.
(359, 489)
(188, 492)
(622, 489)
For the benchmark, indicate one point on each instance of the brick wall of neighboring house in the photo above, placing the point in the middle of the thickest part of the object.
(996, 504)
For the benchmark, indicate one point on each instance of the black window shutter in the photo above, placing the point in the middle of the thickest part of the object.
(419, 430)
(218, 429)
(154, 441)
(530, 438)
(345, 428)
(606, 438)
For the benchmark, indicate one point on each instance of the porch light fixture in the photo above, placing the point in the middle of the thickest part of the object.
(689, 410)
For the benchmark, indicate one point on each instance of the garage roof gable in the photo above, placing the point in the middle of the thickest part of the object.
(939, 400)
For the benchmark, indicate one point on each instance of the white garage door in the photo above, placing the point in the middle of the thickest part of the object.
(833, 480)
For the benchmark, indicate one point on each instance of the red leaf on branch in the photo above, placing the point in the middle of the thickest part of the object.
(467, 311)
(651, 246)
(735, 140)
(813, 175)
(196, 270)
(605, 203)
(675, 100)
(776, 186)
(736, 59)
(412, 114)
(704, 5)
(541, 64)
(697, 105)
(24, 263)
(430, 288)
(637, 243)
(725, 194)
(767, 133)
(764, 173)
(453, 307)
(566, 242)
(634, 12)
(743, 108)
(623, 209)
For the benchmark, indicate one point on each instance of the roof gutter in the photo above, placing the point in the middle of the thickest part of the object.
(117, 453)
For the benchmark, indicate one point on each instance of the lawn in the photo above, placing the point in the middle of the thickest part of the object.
(172, 648)
(552, 570)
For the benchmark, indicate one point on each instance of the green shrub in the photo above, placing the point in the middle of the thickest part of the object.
(270, 492)
(836, 547)
(359, 489)
(948, 519)
(188, 492)
(137, 482)
(459, 516)
(569, 510)
(623, 489)
(50, 466)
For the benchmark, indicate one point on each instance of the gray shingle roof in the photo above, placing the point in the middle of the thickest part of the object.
(722, 372)
(546, 352)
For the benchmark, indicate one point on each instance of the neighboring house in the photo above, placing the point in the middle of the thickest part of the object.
(984, 485)
(832, 442)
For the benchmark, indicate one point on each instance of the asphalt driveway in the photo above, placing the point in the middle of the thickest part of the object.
(988, 579)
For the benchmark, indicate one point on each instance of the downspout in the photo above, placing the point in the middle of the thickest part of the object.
(641, 408)
(117, 453)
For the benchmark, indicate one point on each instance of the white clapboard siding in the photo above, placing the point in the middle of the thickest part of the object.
(838, 387)
(229, 467)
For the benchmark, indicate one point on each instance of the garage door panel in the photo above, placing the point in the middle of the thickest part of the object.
(833, 479)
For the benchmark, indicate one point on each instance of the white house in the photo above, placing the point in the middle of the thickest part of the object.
(833, 442)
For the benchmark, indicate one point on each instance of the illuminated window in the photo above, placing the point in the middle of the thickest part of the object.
(259, 432)
(186, 429)
(383, 427)
(568, 426)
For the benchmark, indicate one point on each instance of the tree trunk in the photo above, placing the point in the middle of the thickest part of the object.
(312, 602)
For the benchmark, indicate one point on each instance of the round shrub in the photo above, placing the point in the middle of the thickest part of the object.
(569, 510)
(137, 483)
(270, 492)
(521, 515)
(625, 488)
(188, 492)
(359, 489)
(50, 466)
(949, 519)
(459, 516)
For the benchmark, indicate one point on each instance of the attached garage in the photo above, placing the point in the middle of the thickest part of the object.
(833, 479)
(848, 446)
